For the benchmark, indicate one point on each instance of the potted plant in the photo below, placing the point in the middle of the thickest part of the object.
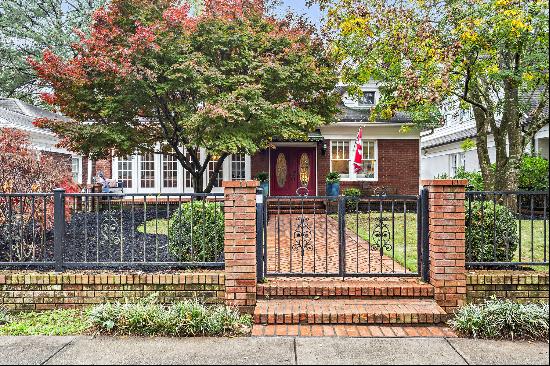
(333, 184)
(263, 178)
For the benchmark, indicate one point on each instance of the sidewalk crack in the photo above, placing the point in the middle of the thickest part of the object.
(454, 349)
(295, 352)
(56, 352)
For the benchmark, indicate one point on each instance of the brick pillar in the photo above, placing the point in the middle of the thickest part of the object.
(240, 244)
(447, 241)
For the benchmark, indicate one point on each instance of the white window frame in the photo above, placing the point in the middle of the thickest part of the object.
(361, 104)
(352, 176)
(117, 176)
(156, 182)
(78, 179)
(178, 186)
(181, 174)
(456, 161)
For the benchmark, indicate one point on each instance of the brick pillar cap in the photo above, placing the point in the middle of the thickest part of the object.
(240, 183)
(444, 182)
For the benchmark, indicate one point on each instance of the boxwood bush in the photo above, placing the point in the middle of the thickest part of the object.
(502, 319)
(481, 227)
(196, 232)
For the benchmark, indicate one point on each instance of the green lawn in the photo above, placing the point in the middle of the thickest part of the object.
(158, 226)
(51, 323)
(400, 252)
(411, 235)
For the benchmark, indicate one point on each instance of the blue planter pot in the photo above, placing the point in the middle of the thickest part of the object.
(333, 189)
(265, 187)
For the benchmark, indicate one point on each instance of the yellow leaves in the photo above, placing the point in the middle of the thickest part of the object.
(493, 69)
(469, 35)
(355, 25)
(502, 3)
(528, 76)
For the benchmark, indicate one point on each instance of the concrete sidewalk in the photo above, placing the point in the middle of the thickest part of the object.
(264, 350)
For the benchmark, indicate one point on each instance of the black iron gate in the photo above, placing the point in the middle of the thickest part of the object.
(321, 236)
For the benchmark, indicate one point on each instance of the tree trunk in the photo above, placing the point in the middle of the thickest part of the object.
(482, 128)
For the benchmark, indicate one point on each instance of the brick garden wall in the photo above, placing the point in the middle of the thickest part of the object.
(23, 291)
(518, 286)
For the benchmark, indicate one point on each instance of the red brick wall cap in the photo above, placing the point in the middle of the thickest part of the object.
(240, 183)
(444, 182)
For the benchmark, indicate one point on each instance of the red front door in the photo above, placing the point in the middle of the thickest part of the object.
(293, 168)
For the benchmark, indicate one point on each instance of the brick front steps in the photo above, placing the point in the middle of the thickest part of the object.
(306, 330)
(336, 288)
(349, 311)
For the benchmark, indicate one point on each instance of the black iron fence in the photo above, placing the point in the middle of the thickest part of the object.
(321, 236)
(507, 229)
(103, 230)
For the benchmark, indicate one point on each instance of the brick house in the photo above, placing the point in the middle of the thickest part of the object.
(391, 158)
(17, 114)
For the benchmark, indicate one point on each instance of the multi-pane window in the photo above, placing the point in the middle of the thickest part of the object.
(169, 171)
(188, 176)
(238, 170)
(75, 169)
(339, 157)
(369, 160)
(147, 177)
(218, 178)
(367, 98)
(342, 154)
(456, 162)
(124, 168)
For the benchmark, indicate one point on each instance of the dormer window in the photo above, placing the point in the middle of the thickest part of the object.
(367, 99)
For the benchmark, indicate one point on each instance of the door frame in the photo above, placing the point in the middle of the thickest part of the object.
(297, 144)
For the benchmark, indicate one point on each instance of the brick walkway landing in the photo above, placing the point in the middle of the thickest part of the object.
(348, 311)
(321, 247)
(346, 330)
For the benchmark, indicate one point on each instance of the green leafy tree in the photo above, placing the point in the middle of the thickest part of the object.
(156, 77)
(29, 26)
(430, 56)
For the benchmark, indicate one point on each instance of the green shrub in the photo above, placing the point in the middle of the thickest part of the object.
(196, 232)
(4, 315)
(533, 174)
(262, 177)
(481, 226)
(499, 319)
(475, 179)
(187, 318)
(333, 177)
(353, 195)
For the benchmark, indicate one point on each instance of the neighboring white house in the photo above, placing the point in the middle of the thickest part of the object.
(442, 151)
(20, 115)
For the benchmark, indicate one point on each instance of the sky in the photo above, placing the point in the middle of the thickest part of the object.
(300, 7)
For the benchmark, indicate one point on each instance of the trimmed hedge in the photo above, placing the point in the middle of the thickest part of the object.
(196, 232)
(486, 225)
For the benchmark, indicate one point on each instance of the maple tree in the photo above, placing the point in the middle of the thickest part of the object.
(159, 77)
(488, 57)
(25, 218)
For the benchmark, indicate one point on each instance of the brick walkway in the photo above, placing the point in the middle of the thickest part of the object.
(348, 330)
(319, 234)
